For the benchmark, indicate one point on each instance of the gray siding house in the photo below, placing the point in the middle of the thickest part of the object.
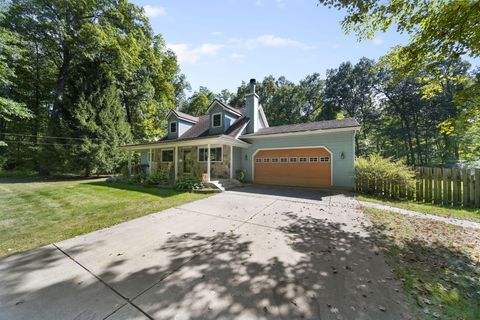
(227, 141)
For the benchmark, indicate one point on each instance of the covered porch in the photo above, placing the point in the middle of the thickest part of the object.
(208, 159)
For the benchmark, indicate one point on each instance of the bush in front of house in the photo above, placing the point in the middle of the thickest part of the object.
(188, 183)
(374, 170)
(141, 178)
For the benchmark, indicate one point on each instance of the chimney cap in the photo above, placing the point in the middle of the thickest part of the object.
(253, 81)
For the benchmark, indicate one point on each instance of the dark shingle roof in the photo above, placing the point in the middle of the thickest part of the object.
(185, 116)
(227, 107)
(201, 130)
(309, 126)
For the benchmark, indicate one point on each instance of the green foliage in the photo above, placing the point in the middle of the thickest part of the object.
(241, 175)
(92, 74)
(377, 168)
(440, 30)
(199, 102)
(188, 183)
(141, 178)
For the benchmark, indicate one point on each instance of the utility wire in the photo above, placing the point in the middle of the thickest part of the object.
(42, 136)
(45, 143)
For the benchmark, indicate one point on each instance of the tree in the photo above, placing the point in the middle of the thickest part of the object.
(440, 30)
(62, 39)
(97, 118)
(199, 102)
(10, 52)
(350, 89)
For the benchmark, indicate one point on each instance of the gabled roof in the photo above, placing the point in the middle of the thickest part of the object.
(184, 116)
(202, 129)
(225, 107)
(309, 126)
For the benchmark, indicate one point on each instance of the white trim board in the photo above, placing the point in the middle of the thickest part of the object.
(289, 148)
(189, 143)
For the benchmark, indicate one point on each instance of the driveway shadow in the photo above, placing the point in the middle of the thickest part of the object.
(310, 269)
(299, 193)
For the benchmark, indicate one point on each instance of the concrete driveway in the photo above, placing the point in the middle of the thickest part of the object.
(253, 253)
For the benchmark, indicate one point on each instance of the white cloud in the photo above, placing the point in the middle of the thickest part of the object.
(267, 40)
(216, 33)
(377, 41)
(259, 3)
(238, 56)
(280, 4)
(153, 12)
(186, 54)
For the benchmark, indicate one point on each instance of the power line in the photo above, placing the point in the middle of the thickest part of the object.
(44, 143)
(42, 136)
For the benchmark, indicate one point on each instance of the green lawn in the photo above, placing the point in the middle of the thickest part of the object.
(35, 212)
(459, 213)
(436, 263)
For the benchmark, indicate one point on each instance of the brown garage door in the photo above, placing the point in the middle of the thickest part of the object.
(305, 167)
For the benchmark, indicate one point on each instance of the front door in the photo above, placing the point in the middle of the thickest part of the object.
(187, 161)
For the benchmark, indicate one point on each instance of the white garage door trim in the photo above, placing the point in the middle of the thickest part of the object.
(282, 148)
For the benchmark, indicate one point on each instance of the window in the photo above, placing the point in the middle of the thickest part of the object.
(302, 159)
(313, 159)
(173, 127)
(258, 160)
(266, 160)
(216, 120)
(324, 159)
(293, 159)
(274, 160)
(167, 155)
(215, 154)
(202, 154)
(284, 160)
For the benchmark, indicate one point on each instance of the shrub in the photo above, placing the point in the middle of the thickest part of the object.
(156, 178)
(375, 169)
(241, 175)
(188, 183)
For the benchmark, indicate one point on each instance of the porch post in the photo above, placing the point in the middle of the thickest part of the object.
(208, 162)
(150, 161)
(129, 162)
(175, 161)
(231, 162)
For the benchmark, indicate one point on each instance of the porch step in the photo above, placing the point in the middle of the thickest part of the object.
(226, 184)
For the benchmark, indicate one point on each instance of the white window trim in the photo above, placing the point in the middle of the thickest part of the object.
(161, 155)
(170, 127)
(221, 120)
(206, 148)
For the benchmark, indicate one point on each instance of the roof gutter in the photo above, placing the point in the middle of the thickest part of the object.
(298, 133)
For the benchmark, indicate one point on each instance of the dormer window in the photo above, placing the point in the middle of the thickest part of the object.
(216, 120)
(173, 126)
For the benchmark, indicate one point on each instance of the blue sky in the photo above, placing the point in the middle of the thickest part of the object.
(220, 43)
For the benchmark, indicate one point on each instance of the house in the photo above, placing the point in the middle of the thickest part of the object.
(227, 140)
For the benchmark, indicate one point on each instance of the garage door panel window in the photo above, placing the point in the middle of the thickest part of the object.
(290, 159)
